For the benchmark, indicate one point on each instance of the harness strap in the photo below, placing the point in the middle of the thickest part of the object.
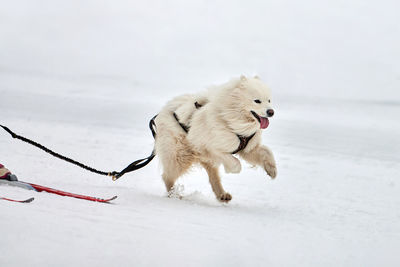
(244, 140)
(134, 166)
(152, 126)
(141, 162)
(184, 127)
(197, 105)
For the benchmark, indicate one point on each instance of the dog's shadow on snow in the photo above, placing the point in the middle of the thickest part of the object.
(199, 199)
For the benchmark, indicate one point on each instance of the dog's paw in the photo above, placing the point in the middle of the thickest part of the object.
(225, 197)
(176, 191)
(271, 170)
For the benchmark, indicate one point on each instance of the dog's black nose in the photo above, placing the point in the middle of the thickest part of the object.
(270, 112)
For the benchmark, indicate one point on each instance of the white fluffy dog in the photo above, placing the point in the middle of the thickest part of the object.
(211, 129)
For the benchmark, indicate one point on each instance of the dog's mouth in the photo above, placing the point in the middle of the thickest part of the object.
(264, 122)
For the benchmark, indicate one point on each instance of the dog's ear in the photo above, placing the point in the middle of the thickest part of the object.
(242, 81)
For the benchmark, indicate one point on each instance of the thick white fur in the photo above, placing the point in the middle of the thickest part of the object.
(225, 113)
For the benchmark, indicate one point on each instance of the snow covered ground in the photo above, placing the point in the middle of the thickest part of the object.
(85, 78)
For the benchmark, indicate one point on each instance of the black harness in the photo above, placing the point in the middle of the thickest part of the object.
(244, 140)
(184, 127)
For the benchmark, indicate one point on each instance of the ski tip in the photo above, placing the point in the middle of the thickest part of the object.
(19, 201)
(102, 200)
(107, 200)
(110, 199)
(29, 200)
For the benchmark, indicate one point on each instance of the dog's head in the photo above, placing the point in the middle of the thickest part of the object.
(246, 106)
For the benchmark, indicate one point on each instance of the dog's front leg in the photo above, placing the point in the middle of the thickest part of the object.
(231, 163)
(215, 181)
(261, 156)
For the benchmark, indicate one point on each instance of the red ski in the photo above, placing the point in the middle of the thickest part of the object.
(7, 178)
(19, 201)
(40, 188)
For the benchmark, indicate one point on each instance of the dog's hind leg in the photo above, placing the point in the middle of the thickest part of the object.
(215, 182)
(176, 158)
(172, 170)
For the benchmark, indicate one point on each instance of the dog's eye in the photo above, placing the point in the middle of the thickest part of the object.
(269, 100)
(258, 101)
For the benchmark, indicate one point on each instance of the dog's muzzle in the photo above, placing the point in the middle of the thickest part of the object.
(264, 122)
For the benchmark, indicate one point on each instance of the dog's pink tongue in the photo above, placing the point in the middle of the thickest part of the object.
(264, 122)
